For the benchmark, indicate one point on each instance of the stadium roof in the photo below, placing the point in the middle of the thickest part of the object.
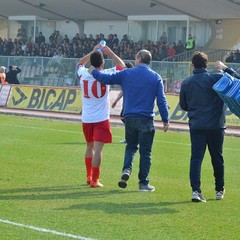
(120, 9)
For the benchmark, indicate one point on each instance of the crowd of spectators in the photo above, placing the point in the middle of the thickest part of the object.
(233, 57)
(60, 45)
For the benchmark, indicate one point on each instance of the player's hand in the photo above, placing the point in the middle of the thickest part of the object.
(106, 50)
(96, 47)
(220, 65)
(165, 126)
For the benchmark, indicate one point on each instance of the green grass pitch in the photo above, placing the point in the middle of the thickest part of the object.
(43, 194)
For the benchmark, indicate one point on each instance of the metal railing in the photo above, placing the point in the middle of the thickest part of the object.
(213, 55)
(61, 72)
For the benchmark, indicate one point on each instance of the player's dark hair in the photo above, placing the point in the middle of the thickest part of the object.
(199, 60)
(96, 59)
(129, 65)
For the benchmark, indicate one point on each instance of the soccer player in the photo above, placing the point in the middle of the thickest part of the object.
(96, 110)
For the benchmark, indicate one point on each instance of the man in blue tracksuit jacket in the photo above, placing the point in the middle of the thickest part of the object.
(206, 113)
(141, 86)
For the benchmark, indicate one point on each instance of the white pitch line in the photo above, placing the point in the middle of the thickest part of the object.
(46, 129)
(45, 230)
(66, 131)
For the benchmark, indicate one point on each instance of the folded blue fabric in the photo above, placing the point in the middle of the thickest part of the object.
(228, 88)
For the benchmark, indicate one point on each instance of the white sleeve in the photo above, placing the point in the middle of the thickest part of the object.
(80, 69)
(110, 70)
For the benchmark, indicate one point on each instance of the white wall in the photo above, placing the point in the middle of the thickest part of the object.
(70, 28)
(201, 32)
(106, 27)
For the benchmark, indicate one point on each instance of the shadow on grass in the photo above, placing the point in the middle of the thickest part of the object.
(91, 198)
(58, 192)
(68, 143)
(39, 189)
(145, 208)
(108, 201)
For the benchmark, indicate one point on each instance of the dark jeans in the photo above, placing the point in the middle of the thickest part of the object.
(139, 133)
(213, 139)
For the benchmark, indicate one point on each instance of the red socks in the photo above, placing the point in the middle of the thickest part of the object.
(95, 174)
(88, 164)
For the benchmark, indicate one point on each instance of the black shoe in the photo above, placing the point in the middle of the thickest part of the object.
(122, 183)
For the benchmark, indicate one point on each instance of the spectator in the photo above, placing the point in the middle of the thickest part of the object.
(171, 52)
(40, 39)
(76, 38)
(230, 57)
(124, 40)
(101, 35)
(52, 37)
(163, 39)
(190, 43)
(92, 39)
(11, 75)
(58, 39)
(79, 47)
(24, 46)
(110, 41)
(180, 47)
(66, 39)
(97, 37)
(163, 52)
(3, 75)
(236, 56)
(115, 40)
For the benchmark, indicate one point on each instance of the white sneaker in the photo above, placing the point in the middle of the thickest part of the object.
(146, 188)
(220, 195)
(198, 197)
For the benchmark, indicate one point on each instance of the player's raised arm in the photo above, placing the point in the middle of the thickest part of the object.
(85, 59)
(117, 60)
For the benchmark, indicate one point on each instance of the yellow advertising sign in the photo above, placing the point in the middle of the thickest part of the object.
(69, 100)
(178, 115)
(46, 99)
